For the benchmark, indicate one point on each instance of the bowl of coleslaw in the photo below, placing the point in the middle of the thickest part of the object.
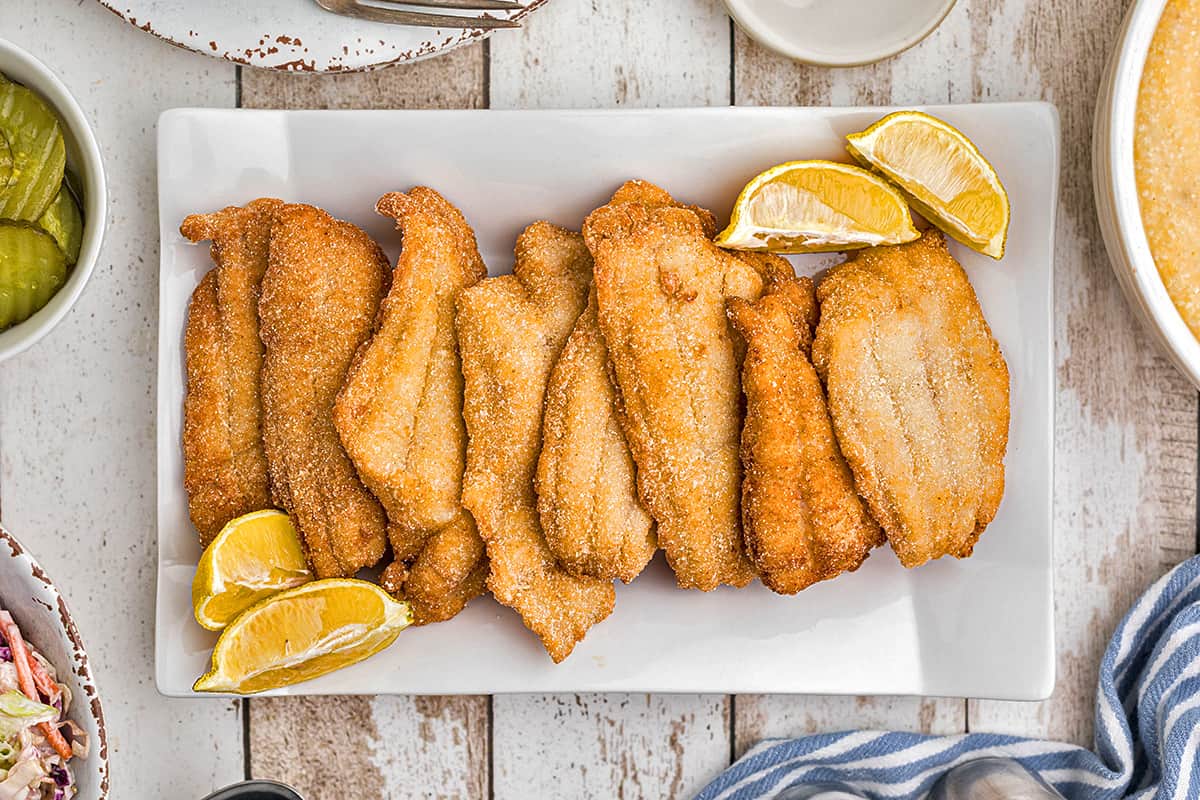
(52, 738)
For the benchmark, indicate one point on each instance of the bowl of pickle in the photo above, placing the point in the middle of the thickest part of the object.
(52, 200)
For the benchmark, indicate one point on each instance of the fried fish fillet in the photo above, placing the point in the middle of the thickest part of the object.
(661, 288)
(399, 414)
(511, 330)
(224, 466)
(586, 489)
(450, 572)
(320, 296)
(918, 393)
(802, 520)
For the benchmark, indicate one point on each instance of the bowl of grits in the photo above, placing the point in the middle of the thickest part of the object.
(1146, 169)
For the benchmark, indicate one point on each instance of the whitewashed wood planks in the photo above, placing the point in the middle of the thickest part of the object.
(76, 412)
(1125, 476)
(607, 745)
(573, 54)
(77, 424)
(394, 747)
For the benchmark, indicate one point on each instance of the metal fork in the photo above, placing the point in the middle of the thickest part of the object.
(398, 16)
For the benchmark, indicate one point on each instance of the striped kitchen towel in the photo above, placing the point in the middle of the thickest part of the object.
(1147, 726)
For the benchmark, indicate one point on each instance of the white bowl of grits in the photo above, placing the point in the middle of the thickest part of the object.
(1146, 169)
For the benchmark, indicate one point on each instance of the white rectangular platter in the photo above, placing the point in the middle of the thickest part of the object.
(982, 627)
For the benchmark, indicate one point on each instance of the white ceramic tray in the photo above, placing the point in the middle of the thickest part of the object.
(981, 627)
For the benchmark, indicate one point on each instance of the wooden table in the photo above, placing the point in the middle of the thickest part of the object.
(77, 464)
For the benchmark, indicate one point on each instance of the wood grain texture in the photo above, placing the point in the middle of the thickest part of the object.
(77, 410)
(607, 745)
(399, 747)
(934, 71)
(394, 747)
(758, 717)
(614, 53)
(453, 80)
(1125, 473)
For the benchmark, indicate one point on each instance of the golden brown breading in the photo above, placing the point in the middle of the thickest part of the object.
(918, 392)
(586, 490)
(450, 572)
(802, 520)
(399, 413)
(224, 466)
(320, 295)
(511, 330)
(661, 286)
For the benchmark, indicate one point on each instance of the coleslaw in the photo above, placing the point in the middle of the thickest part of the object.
(37, 741)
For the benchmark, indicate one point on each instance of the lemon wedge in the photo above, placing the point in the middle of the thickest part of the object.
(252, 558)
(816, 207)
(943, 175)
(303, 633)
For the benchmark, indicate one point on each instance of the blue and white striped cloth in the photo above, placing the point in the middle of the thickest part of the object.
(1147, 726)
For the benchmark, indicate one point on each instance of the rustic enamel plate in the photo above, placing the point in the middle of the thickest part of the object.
(27, 592)
(293, 35)
(980, 628)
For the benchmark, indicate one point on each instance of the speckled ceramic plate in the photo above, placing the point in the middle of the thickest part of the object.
(291, 34)
(27, 592)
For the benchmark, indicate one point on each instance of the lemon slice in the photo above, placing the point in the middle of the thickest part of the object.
(252, 558)
(816, 207)
(303, 633)
(942, 174)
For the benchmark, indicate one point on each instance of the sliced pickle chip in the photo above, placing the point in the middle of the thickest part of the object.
(32, 269)
(63, 221)
(6, 163)
(38, 153)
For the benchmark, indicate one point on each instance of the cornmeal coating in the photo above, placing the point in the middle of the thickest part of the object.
(511, 330)
(918, 392)
(661, 287)
(320, 297)
(802, 520)
(224, 465)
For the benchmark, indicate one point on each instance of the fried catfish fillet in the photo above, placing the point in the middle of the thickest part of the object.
(661, 287)
(511, 330)
(399, 414)
(802, 520)
(586, 488)
(918, 393)
(450, 572)
(320, 296)
(224, 466)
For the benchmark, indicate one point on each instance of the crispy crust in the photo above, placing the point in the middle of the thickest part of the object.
(511, 330)
(586, 488)
(224, 465)
(803, 521)
(918, 392)
(320, 296)
(661, 288)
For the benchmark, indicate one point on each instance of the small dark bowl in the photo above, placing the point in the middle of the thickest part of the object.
(256, 790)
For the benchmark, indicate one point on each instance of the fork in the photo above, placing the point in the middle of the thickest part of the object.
(398, 16)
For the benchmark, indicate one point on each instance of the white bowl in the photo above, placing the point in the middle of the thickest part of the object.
(27, 592)
(834, 33)
(83, 161)
(1115, 185)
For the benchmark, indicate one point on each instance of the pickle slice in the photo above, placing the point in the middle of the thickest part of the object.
(38, 152)
(63, 221)
(32, 269)
(6, 163)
